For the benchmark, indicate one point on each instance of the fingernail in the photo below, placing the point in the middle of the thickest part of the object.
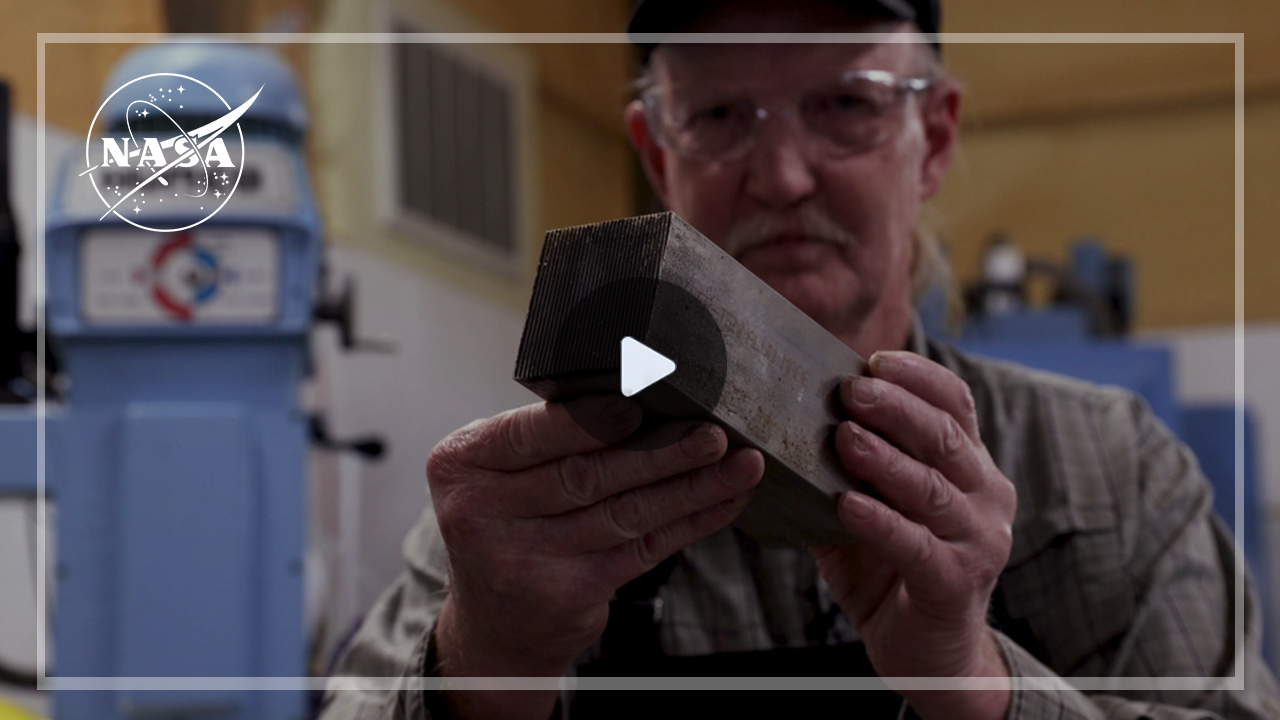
(865, 391)
(859, 438)
(857, 505)
(737, 469)
(699, 441)
(879, 360)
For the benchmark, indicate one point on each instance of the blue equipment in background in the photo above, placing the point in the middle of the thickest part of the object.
(1082, 335)
(178, 462)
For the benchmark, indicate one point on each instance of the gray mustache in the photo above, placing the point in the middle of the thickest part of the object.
(809, 222)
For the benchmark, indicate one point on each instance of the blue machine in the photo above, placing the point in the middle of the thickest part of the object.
(178, 463)
(1082, 336)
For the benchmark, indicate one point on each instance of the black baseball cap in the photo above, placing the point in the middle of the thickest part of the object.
(652, 19)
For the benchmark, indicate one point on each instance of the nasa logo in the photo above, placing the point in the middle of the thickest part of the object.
(159, 151)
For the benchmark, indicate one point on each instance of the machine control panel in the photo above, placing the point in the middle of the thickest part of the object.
(207, 275)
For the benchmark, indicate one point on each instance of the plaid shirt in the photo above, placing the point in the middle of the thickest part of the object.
(1118, 570)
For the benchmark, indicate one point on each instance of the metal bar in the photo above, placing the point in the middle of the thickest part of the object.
(780, 369)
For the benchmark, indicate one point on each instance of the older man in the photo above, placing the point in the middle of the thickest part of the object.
(1025, 525)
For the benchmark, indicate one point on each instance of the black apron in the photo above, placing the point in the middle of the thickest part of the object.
(630, 647)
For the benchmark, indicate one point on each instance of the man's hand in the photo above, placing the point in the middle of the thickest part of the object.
(917, 585)
(543, 524)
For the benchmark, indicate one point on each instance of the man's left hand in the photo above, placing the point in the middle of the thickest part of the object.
(918, 583)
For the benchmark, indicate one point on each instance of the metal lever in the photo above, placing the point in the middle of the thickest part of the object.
(371, 447)
(340, 309)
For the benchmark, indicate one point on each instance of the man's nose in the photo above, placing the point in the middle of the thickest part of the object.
(780, 167)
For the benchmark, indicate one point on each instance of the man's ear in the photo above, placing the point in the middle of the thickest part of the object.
(652, 156)
(941, 118)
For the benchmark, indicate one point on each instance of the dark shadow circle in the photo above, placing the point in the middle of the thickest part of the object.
(669, 320)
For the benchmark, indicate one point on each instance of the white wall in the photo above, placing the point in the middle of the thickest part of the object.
(1205, 372)
(454, 363)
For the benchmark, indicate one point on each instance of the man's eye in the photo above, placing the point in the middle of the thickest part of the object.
(845, 103)
(717, 115)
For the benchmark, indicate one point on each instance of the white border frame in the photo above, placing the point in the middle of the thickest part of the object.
(1233, 682)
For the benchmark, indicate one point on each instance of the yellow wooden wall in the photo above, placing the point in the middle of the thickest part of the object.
(75, 71)
(79, 70)
(1133, 143)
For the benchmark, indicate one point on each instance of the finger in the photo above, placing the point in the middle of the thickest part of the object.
(923, 431)
(914, 552)
(629, 515)
(921, 493)
(625, 562)
(535, 434)
(930, 382)
(586, 479)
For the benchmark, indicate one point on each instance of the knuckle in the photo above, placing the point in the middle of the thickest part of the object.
(967, 404)
(519, 434)
(896, 467)
(938, 492)
(953, 438)
(984, 572)
(984, 565)
(580, 478)
(1000, 494)
(1009, 499)
(921, 551)
(648, 548)
(627, 515)
(1004, 546)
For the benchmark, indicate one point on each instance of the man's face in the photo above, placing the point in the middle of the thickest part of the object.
(831, 232)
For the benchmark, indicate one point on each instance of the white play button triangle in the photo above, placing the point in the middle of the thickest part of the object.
(642, 366)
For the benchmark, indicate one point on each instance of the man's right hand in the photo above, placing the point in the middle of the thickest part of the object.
(543, 523)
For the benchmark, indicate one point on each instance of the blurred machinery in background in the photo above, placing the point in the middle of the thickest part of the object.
(16, 346)
(178, 460)
(17, 371)
(1083, 332)
(1091, 296)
